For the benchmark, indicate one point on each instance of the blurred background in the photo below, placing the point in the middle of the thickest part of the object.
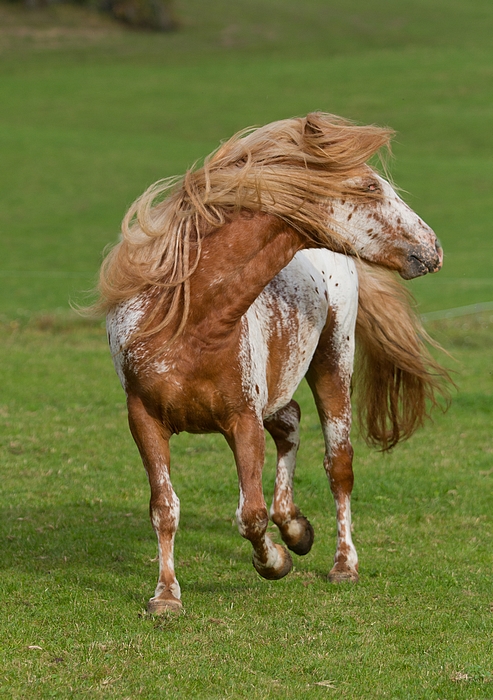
(99, 100)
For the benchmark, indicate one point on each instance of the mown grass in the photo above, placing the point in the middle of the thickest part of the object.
(78, 562)
(88, 118)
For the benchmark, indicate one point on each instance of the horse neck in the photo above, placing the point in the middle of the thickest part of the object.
(238, 260)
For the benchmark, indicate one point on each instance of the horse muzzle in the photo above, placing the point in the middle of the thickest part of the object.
(422, 261)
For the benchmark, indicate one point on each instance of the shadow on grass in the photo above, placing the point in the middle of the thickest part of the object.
(88, 546)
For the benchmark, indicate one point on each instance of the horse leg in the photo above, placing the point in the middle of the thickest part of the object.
(152, 439)
(296, 531)
(331, 390)
(247, 440)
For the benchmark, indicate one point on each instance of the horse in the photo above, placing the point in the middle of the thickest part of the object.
(232, 283)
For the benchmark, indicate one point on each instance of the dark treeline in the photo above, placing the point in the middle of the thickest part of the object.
(152, 14)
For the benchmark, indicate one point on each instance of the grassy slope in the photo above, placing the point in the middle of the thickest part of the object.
(85, 129)
(87, 120)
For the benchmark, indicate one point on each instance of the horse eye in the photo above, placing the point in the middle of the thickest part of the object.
(372, 187)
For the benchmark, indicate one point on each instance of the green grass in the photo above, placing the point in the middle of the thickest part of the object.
(85, 127)
(89, 118)
(78, 561)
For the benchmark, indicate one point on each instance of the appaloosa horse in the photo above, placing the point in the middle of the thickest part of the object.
(232, 284)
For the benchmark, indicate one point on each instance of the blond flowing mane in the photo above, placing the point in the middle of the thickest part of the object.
(288, 168)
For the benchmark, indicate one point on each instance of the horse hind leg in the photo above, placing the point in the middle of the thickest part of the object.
(272, 561)
(153, 443)
(296, 531)
(331, 391)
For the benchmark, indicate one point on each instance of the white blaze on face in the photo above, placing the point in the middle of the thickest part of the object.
(371, 226)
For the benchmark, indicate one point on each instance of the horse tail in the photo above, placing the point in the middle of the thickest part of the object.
(398, 381)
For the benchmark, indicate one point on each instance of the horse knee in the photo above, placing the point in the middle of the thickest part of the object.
(252, 522)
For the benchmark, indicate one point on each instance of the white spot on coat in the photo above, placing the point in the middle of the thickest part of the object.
(121, 323)
(295, 304)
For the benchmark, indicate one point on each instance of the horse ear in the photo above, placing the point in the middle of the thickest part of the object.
(311, 126)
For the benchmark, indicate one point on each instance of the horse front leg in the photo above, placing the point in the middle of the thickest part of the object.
(296, 531)
(331, 391)
(272, 561)
(152, 439)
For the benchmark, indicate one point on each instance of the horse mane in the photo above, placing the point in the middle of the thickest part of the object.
(288, 168)
(396, 378)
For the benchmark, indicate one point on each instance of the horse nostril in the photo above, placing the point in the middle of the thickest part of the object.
(439, 250)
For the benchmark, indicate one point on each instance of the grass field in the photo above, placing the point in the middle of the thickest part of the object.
(90, 114)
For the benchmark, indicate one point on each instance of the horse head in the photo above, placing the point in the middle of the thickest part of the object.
(381, 228)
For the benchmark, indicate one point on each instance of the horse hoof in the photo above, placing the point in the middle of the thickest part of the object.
(273, 573)
(339, 575)
(160, 606)
(304, 545)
